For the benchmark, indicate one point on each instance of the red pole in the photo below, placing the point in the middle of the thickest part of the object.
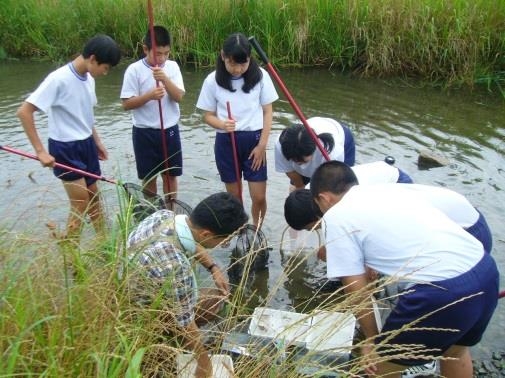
(235, 154)
(153, 49)
(59, 165)
(290, 98)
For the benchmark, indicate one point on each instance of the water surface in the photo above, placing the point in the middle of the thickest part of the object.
(398, 120)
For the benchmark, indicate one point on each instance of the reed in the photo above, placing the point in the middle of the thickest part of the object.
(67, 312)
(439, 41)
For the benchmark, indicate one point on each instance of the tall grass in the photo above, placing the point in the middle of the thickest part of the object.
(447, 41)
(66, 312)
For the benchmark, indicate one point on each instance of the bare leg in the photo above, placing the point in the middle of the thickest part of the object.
(95, 210)
(150, 185)
(462, 367)
(210, 302)
(233, 188)
(258, 191)
(169, 186)
(79, 197)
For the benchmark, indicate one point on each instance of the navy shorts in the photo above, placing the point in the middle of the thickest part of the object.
(149, 155)
(349, 146)
(480, 230)
(464, 322)
(403, 178)
(245, 142)
(80, 154)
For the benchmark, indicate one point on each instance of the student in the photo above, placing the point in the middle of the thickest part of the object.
(149, 83)
(296, 152)
(451, 283)
(67, 96)
(248, 88)
(300, 211)
(160, 254)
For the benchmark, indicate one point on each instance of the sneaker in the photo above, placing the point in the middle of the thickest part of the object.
(425, 370)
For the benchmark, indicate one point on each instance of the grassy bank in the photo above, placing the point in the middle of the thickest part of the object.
(441, 41)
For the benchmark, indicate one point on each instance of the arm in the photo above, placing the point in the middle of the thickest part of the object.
(102, 152)
(358, 287)
(194, 342)
(296, 179)
(203, 257)
(211, 119)
(135, 102)
(25, 115)
(258, 153)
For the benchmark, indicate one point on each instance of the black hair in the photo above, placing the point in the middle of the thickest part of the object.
(332, 176)
(238, 48)
(104, 48)
(296, 142)
(300, 210)
(161, 37)
(221, 213)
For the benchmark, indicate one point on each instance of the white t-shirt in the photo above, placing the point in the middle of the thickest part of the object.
(397, 234)
(319, 125)
(377, 172)
(246, 108)
(451, 203)
(138, 79)
(68, 100)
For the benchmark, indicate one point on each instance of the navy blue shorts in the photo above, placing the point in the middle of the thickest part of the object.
(480, 230)
(404, 178)
(149, 155)
(245, 142)
(464, 321)
(80, 154)
(349, 146)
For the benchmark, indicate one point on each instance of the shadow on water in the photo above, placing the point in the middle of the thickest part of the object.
(398, 120)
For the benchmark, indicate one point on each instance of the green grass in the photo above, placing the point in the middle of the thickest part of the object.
(57, 324)
(451, 42)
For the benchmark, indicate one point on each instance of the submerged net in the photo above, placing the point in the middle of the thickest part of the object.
(145, 202)
(250, 253)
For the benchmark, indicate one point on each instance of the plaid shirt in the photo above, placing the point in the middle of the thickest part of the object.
(165, 270)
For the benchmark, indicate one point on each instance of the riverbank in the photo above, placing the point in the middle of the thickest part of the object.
(441, 42)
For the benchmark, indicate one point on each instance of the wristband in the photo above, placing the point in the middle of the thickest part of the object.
(211, 266)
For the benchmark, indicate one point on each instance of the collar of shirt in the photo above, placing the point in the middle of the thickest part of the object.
(184, 234)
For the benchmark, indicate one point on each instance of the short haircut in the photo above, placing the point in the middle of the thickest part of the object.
(300, 210)
(221, 213)
(296, 142)
(332, 176)
(161, 37)
(104, 48)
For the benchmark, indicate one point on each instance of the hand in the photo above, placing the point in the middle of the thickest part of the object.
(221, 281)
(46, 159)
(369, 359)
(159, 74)
(102, 152)
(229, 125)
(259, 157)
(321, 253)
(157, 93)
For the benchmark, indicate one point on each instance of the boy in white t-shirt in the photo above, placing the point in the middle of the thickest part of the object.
(451, 284)
(152, 89)
(68, 97)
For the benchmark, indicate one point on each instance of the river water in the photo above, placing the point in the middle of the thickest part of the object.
(386, 119)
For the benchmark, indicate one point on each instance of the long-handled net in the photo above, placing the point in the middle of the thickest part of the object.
(145, 202)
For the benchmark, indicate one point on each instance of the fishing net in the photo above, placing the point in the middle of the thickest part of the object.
(250, 253)
(145, 202)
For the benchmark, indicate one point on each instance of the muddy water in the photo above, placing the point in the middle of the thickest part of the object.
(397, 120)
